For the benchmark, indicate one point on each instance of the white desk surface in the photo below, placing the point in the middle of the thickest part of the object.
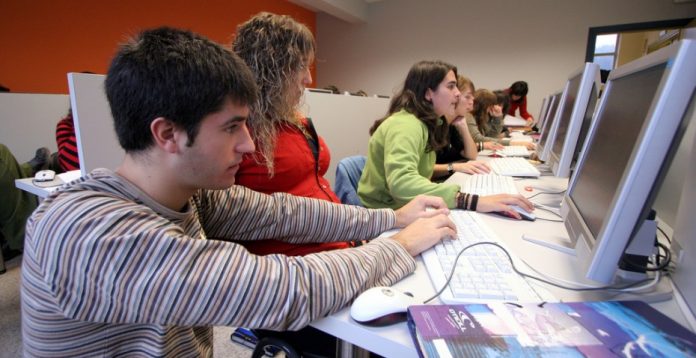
(42, 192)
(395, 340)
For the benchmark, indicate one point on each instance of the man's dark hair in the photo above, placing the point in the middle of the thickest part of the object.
(519, 88)
(175, 74)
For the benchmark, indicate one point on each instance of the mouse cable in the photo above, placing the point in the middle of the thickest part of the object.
(541, 207)
(547, 192)
(514, 268)
(669, 240)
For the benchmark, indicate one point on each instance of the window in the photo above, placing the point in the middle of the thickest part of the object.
(605, 51)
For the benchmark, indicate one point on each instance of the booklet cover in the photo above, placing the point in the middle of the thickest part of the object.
(578, 329)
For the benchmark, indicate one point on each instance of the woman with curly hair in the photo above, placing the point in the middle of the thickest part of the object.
(290, 156)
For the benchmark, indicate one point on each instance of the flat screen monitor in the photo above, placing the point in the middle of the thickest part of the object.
(573, 108)
(542, 113)
(638, 125)
(97, 144)
(542, 148)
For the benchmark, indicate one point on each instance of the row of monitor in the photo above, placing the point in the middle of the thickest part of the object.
(616, 149)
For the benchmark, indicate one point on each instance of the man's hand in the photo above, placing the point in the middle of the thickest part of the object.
(416, 209)
(426, 232)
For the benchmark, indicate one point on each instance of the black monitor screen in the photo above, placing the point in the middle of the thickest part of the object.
(564, 119)
(549, 119)
(586, 121)
(623, 115)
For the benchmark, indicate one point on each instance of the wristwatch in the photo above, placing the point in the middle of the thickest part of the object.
(450, 168)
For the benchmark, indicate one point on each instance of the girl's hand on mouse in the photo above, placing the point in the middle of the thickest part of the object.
(422, 206)
(502, 202)
(425, 232)
(472, 167)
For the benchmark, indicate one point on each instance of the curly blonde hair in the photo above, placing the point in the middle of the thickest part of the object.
(276, 48)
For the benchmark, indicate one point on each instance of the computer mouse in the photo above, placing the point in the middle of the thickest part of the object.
(523, 214)
(44, 175)
(381, 306)
(496, 155)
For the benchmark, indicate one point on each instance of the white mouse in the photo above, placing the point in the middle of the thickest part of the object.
(44, 175)
(523, 213)
(381, 306)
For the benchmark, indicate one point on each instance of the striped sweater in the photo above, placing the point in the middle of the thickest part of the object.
(67, 144)
(109, 272)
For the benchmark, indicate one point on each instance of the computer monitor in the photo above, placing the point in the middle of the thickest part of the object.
(542, 148)
(97, 144)
(583, 84)
(542, 113)
(640, 120)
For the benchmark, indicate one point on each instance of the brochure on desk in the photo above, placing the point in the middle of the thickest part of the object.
(581, 329)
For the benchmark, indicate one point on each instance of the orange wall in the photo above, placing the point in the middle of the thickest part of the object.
(42, 40)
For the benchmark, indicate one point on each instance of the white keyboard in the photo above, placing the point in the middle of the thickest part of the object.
(483, 273)
(516, 167)
(487, 184)
(508, 151)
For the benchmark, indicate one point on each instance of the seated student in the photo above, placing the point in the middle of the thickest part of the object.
(518, 100)
(486, 124)
(460, 153)
(401, 153)
(290, 156)
(16, 204)
(118, 263)
(68, 158)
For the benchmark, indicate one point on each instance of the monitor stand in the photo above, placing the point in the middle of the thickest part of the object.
(552, 241)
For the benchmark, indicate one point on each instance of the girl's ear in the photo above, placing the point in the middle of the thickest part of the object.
(429, 95)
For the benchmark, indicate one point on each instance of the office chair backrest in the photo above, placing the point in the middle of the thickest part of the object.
(348, 172)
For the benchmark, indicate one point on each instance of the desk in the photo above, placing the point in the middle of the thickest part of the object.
(42, 192)
(395, 340)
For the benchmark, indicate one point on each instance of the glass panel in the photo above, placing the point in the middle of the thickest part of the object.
(605, 43)
(605, 62)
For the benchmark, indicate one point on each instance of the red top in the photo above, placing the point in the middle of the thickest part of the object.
(67, 144)
(296, 172)
(521, 104)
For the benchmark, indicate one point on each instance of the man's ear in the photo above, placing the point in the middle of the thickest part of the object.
(164, 134)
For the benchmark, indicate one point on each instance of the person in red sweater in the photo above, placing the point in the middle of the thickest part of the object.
(290, 156)
(67, 144)
(518, 100)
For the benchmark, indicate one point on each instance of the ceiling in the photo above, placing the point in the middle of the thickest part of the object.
(351, 11)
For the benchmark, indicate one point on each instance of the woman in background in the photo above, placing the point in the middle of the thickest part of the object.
(401, 153)
(460, 153)
(518, 100)
(486, 124)
(290, 156)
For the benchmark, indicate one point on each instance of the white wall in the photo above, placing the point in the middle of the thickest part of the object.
(28, 121)
(495, 42)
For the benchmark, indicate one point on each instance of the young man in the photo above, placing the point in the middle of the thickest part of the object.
(117, 263)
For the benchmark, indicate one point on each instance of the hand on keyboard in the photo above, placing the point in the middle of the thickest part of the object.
(502, 202)
(472, 167)
(529, 145)
(423, 233)
(422, 206)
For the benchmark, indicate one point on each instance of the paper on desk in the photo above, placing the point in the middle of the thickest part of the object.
(512, 121)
